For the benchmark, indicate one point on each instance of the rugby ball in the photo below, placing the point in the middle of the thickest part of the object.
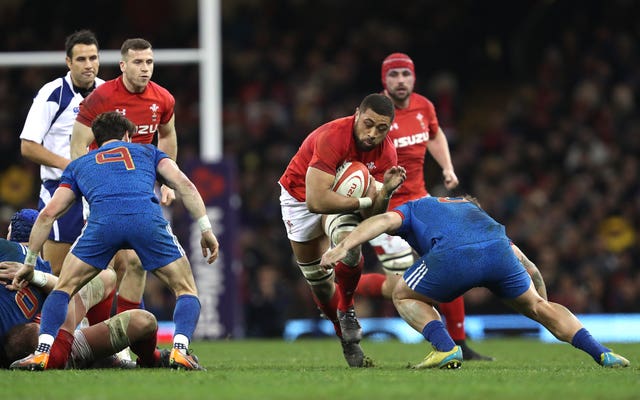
(352, 179)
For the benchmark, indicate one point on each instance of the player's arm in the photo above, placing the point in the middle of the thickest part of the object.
(533, 271)
(193, 202)
(321, 199)
(439, 150)
(168, 142)
(61, 201)
(37, 153)
(42, 280)
(81, 138)
(368, 229)
(168, 138)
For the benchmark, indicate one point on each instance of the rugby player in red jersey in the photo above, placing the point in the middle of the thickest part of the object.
(307, 194)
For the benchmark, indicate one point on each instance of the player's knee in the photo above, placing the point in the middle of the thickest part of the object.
(314, 273)
(144, 321)
(338, 226)
(396, 263)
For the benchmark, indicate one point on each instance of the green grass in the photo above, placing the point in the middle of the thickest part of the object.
(314, 369)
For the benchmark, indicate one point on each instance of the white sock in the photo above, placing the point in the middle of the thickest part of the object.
(180, 342)
(45, 342)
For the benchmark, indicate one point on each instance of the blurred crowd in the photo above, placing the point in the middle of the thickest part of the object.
(539, 109)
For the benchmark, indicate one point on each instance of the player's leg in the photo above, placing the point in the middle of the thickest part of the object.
(55, 252)
(564, 326)
(73, 276)
(132, 280)
(134, 328)
(347, 273)
(178, 276)
(396, 256)
(420, 313)
(454, 316)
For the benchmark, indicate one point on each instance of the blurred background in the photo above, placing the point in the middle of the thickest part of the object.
(538, 100)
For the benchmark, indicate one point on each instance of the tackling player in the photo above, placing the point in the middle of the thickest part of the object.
(462, 247)
(306, 194)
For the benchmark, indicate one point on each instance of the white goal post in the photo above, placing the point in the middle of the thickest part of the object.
(208, 57)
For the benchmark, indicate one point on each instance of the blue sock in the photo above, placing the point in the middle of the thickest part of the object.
(585, 342)
(186, 314)
(54, 311)
(437, 335)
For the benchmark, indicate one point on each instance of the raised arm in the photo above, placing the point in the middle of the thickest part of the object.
(81, 138)
(193, 202)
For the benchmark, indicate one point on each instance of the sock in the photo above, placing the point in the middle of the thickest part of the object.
(61, 350)
(584, 341)
(123, 304)
(347, 277)
(101, 311)
(145, 349)
(185, 315)
(180, 342)
(329, 310)
(435, 334)
(54, 312)
(453, 313)
(370, 285)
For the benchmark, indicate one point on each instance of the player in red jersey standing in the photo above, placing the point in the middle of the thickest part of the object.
(151, 108)
(306, 195)
(414, 131)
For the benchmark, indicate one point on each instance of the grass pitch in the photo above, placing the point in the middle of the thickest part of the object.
(314, 369)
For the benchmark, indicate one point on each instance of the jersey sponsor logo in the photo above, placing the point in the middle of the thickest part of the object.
(411, 140)
(147, 129)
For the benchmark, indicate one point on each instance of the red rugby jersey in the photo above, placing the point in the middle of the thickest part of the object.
(147, 110)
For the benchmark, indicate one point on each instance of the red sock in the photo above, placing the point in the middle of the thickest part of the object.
(101, 311)
(145, 349)
(60, 350)
(330, 310)
(454, 317)
(123, 304)
(370, 285)
(347, 278)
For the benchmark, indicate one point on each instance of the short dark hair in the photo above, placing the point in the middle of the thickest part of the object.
(20, 341)
(84, 36)
(379, 103)
(134, 44)
(111, 125)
